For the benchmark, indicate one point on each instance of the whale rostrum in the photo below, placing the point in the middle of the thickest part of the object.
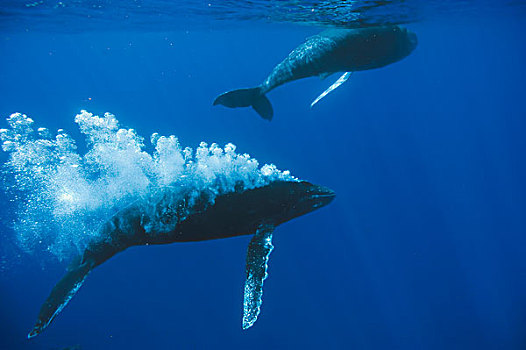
(331, 51)
(178, 214)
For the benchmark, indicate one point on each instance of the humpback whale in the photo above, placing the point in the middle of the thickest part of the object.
(331, 51)
(181, 214)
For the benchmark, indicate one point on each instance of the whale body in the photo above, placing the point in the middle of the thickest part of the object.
(179, 214)
(331, 51)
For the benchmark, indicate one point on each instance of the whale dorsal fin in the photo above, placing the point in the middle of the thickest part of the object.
(338, 82)
(259, 250)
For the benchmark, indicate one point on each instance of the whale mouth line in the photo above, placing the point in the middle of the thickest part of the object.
(323, 196)
(322, 192)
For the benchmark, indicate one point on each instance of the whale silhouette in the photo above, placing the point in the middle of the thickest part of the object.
(331, 51)
(182, 214)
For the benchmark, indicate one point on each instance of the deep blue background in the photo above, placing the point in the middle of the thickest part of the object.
(424, 247)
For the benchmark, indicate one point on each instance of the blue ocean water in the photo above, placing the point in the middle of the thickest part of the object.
(424, 246)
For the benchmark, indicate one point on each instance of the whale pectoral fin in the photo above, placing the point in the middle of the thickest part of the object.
(61, 294)
(258, 253)
(338, 82)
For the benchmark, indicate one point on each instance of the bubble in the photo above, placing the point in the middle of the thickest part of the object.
(63, 197)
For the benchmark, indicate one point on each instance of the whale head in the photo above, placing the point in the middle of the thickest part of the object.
(295, 199)
(399, 41)
(411, 40)
(373, 47)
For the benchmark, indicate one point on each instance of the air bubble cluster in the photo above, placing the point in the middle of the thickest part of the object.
(63, 197)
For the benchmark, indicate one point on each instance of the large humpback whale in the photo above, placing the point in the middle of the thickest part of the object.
(331, 51)
(178, 214)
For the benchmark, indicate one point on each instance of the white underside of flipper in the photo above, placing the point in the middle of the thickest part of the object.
(259, 250)
(337, 83)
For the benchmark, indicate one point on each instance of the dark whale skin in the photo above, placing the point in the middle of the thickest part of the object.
(236, 213)
(331, 51)
(343, 50)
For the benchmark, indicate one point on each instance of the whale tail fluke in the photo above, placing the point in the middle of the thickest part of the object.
(247, 98)
(61, 294)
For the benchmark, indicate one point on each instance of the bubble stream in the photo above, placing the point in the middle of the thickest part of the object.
(62, 197)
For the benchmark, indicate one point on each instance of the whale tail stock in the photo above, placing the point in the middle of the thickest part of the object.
(252, 97)
(61, 294)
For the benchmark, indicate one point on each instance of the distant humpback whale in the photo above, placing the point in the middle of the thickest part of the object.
(331, 51)
(184, 215)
